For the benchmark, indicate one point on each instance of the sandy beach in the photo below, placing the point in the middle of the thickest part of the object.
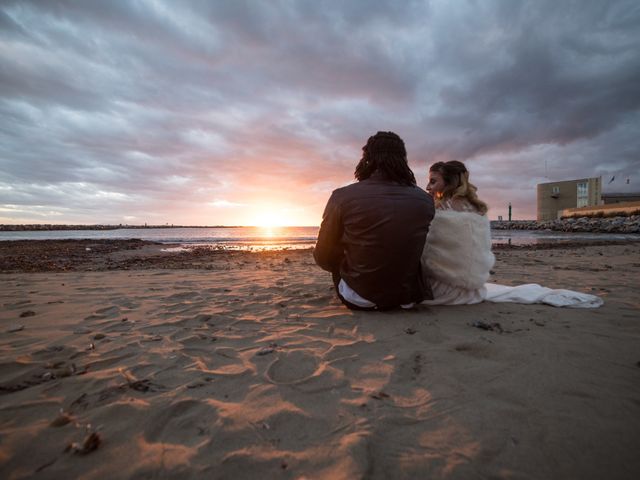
(123, 361)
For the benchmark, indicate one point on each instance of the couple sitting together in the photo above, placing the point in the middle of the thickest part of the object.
(390, 244)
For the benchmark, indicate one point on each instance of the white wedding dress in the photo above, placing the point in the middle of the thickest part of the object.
(457, 260)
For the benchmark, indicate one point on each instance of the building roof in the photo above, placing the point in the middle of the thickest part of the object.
(570, 180)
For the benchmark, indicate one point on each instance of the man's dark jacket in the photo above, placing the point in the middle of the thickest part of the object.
(372, 235)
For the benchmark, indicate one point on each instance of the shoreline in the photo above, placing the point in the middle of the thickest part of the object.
(107, 255)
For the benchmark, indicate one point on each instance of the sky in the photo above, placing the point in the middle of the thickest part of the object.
(251, 112)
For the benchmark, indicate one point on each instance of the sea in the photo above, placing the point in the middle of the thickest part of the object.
(278, 238)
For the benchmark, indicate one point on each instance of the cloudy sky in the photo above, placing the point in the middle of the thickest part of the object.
(236, 112)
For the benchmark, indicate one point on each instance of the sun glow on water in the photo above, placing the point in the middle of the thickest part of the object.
(269, 231)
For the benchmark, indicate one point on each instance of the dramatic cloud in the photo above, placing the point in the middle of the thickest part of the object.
(234, 111)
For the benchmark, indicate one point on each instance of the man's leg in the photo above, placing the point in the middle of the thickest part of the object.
(336, 280)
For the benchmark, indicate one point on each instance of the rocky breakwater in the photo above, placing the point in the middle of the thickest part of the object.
(630, 224)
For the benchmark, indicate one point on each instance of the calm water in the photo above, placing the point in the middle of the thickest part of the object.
(234, 238)
(258, 238)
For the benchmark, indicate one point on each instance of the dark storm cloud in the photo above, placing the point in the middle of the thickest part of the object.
(152, 106)
(550, 75)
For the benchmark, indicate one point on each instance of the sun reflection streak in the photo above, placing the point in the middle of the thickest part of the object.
(269, 231)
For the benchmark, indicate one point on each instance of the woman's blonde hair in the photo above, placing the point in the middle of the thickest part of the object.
(457, 184)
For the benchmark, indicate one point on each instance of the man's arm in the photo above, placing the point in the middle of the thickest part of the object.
(328, 252)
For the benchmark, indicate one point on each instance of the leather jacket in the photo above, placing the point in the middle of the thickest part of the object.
(372, 235)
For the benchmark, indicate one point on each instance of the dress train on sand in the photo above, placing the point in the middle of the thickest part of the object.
(534, 293)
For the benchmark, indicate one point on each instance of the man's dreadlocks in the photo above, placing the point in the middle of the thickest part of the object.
(385, 153)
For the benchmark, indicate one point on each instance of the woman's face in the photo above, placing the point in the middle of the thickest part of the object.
(436, 183)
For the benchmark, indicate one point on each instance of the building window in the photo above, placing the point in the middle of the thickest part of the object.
(583, 194)
(555, 190)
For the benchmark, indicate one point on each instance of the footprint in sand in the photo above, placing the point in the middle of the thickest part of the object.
(321, 300)
(125, 303)
(180, 423)
(184, 296)
(475, 350)
(292, 367)
(103, 313)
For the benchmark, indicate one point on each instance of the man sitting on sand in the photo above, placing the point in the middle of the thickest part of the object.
(373, 231)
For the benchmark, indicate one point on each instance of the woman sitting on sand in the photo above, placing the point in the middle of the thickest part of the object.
(457, 257)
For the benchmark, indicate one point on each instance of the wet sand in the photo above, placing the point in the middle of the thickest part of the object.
(131, 362)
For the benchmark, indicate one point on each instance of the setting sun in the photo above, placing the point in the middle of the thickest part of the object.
(273, 218)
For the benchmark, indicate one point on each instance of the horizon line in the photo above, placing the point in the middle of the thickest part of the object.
(134, 225)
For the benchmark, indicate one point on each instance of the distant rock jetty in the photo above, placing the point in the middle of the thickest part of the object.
(630, 224)
(46, 227)
(49, 227)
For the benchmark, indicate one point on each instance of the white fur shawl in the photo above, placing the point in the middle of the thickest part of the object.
(458, 249)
